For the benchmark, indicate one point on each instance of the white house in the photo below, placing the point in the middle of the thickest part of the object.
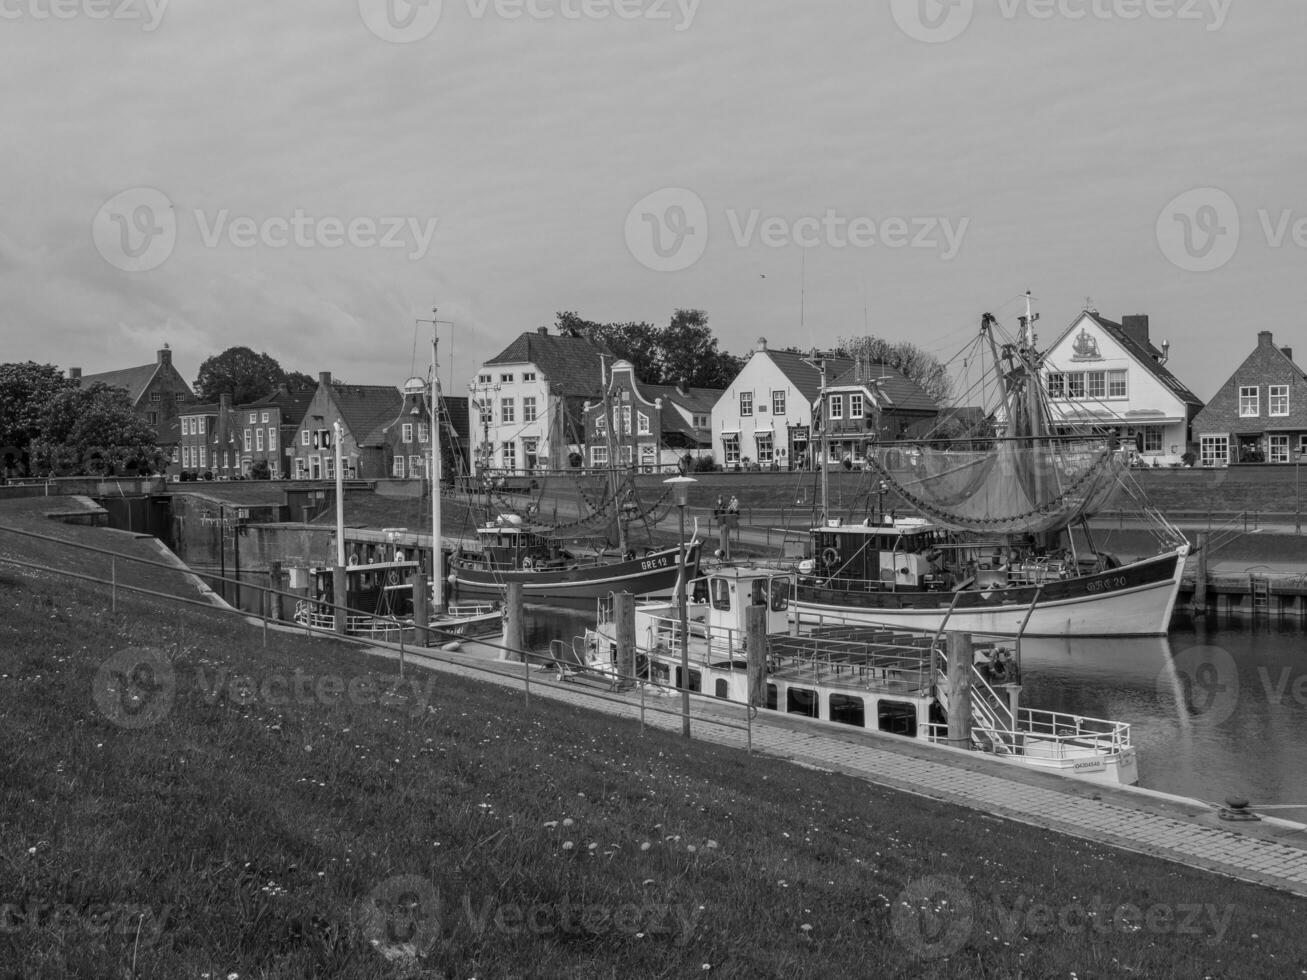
(764, 417)
(1100, 374)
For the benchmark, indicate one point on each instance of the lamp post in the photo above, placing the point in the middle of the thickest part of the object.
(681, 492)
(1297, 497)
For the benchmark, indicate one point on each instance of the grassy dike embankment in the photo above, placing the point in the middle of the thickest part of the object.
(177, 802)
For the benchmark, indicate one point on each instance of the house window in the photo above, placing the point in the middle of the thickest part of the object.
(601, 422)
(1057, 385)
(506, 379)
(304, 437)
(778, 403)
(186, 456)
(1075, 385)
(423, 433)
(416, 467)
(406, 432)
(1214, 450)
(642, 421)
(1152, 437)
(204, 457)
(531, 453)
(507, 410)
(836, 407)
(529, 409)
(510, 455)
(628, 455)
(1096, 384)
(176, 454)
(598, 455)
(264, 418)
(1279, 449)
(1117, 385)
(626, 420)
(254, 417)
(528, 375)
(156, 396)
(247, 440)
(855, 405)
(179, 397)
(731, 449)
(330, 467)
(201, 420)
(258, 435)
(397, 468)
(1277, 399)
(1302, 444)
(1248, 402)
(486, 410)
(746, 404)
(765, 444)
(152, 418)
(272, 440)
(702, 421)
(483, 379)
(299, 468)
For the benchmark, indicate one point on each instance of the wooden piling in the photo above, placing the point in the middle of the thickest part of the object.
(514, 642)
(340, 598)
(624, 620)
(421, 610)
(755, 633)
(1200, 577)
(277, 583)
(960, 657)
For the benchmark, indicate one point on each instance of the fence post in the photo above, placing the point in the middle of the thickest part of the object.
(401, 647)
(526, 674)
(113, 583)
(264, 602)
(642, 706)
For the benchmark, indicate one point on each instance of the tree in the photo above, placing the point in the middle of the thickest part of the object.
(247, 376)
(94, 430)
(25, 391)
(908, 359)
(683, 352)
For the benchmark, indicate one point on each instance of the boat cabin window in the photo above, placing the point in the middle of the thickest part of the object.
(897, 718)
(801, 701)
(721, 688)
(771, 696)
(780, 594)
(696, 680)
(660, 673)
(721, 594)
(848, 710)
(760, 589)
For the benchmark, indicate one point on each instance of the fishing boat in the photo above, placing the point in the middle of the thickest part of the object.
(893, 681)
(380, 597)
(991, 549)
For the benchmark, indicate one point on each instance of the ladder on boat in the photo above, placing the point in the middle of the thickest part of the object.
(1260, 587)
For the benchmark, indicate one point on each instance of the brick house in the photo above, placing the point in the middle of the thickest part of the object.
(1259, 414)
(229, 441)
(406, 439)
(158, 393)
(363, 411)
(650, 426)
(872, 402)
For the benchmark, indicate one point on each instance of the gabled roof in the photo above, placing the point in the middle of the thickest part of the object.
(903, 393)
(134, 379)
(804, 370)
(366, 409)
(293, 404)
(571, 364)
(1145, 354)
(696, 401)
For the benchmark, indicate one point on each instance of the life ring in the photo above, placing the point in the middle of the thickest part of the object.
(528, 563)
(392, 578)
(353, 559)
(830, 557)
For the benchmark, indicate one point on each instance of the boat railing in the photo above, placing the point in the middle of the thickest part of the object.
(1072, 734)
(360, 624)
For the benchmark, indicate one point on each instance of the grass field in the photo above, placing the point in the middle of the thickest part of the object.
(177, 802)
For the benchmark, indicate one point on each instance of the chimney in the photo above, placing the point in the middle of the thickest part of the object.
(74, 374)
(324, 378)
(1136, 328)
(1264, 339)
(224, 402)
(1287, 352)
(165, 357)
(762, 344)
(542, 331)
(682, 388)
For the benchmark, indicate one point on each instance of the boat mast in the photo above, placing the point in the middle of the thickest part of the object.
(825, 445)
(437, 585)
(1029, 359)
(612, 420)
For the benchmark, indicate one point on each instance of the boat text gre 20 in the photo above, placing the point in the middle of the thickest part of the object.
(1114, 582)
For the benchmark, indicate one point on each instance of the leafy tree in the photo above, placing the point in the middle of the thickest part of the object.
(295, 380)
(908, 359)
(684, 351)
(246, 375)
(94, 430)
(25, 391)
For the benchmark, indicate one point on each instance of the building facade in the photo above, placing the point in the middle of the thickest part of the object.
(363, 411)
(871, 403)
(1102, 375)
(158, 393)
(1260, 414)
(407, 441)
(652, 427)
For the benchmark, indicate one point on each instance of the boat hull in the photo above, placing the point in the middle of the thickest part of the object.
(653, 574)
(1132, 600)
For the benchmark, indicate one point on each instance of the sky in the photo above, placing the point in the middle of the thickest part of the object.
(310, 178)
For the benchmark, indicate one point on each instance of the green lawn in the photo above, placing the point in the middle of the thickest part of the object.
(178, 802)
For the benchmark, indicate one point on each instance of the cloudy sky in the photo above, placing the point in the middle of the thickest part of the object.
(308, 177)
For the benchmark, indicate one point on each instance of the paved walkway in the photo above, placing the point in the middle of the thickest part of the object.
(1270, 852)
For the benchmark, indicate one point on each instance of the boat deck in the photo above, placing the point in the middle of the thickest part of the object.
(856, 657)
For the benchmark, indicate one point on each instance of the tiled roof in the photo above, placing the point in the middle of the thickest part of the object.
(1147, 355)
(804, 371)
(696, 401)
(134, 379)
(293, 404)
(367, 409)
(904, 393)
(570, 364)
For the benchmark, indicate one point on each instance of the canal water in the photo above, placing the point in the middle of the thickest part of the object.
(1214, 711)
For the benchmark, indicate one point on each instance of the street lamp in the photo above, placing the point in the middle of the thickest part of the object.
(681, 494)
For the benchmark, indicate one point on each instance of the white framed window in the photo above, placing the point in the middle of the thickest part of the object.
(778, 402)
(1118, 384)
(598, 455)
(507, 410)
(766, 447)
(1249, 407)
(1277, 399)
(702, 421)
(258, 439)
(201, 420)
(646, 456)
(304, 437)
(528, 375)
(1075, 384)
(263, 417)
(424, 433)
(624, 426)
(601, 422)
(406, 432)
(157, 397)
(855, 405)
(186, 456)
(204, 457)
(483, 379)
(299, 468)
(628, 455)
(486, 410)
(506, 379)
(836, 410)
(330, 467)
(510, 455)
(416, 467)
(1152, 437)
(1056, 385)
(1279, 449)
(179, 397)
(248, 440)
(1214, 450)
(529, 409)
(1302, 444)
(642, 421)
(1096, 384)
(176, 454)
(272, 440)
(254, 417)
(731, 448)
(746, 404)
